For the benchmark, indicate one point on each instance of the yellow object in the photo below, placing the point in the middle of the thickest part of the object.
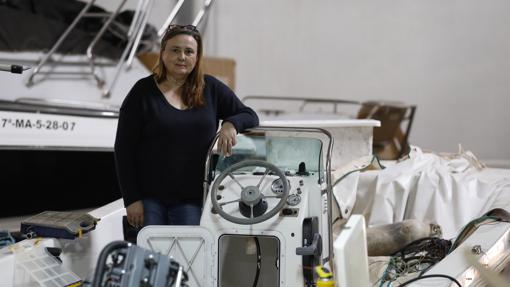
(324, 277)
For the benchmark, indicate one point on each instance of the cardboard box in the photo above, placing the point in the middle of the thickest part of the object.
(390, 141)
(221, 68)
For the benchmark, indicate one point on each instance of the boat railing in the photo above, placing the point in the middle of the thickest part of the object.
(90, 49)
(47, 58)
(132, 36)
(203, 11)
(143, 22)
(170, 18)
(47, 64)
(140, 21)
(178, 6)
(135, 36)
(304, 102)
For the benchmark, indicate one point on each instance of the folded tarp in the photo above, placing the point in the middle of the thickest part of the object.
(432, 188)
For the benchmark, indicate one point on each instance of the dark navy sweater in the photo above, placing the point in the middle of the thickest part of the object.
(160, 151)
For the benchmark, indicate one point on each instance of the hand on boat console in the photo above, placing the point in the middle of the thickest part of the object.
(227, 138)
(135, 214)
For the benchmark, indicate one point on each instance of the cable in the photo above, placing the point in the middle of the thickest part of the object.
(259, 262)
(374, 157)
(435, 247)
(385, 274)
(469, 228)
(378, 162)
(431, 276)
(417, 256)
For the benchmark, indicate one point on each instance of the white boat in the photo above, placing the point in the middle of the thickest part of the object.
(58, 118)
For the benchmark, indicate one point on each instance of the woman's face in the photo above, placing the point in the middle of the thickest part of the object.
(180, 55)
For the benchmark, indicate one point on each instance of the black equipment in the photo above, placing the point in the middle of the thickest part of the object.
(122, 264)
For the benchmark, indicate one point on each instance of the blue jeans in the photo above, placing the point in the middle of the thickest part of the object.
(156, 212)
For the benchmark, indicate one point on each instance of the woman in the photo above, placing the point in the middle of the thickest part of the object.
(166, 125)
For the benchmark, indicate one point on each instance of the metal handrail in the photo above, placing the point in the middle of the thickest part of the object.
(334, 102)
(198, 18)
(170, 18)
(320, 100)
(53, 49)
(140, 30)
(89, 52)
(134, 36)
(135, 18)
(90, 48)
(201, 13)
(132, 45)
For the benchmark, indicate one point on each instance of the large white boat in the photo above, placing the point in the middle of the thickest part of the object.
(72, 64)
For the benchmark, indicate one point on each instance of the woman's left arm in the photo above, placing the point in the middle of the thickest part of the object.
(236, 117)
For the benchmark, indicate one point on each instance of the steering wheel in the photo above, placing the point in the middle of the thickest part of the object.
(251, 196)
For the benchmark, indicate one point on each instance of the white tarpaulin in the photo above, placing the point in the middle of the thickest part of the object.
(449, 191)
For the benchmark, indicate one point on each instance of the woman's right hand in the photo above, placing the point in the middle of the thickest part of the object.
(135, 214)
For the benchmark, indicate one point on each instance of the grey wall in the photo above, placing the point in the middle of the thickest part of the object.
(450, 58)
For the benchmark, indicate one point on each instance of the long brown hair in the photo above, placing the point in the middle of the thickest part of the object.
(192, 89)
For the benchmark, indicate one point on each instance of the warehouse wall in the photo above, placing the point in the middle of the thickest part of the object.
(450, 58)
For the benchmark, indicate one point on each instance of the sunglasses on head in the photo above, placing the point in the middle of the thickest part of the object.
(174, 27)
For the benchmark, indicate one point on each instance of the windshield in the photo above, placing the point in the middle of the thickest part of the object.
(293, 155)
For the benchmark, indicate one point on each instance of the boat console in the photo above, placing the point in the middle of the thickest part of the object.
(266, 215)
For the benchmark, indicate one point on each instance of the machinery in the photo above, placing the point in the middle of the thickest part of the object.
(122, 264)
(267, 213)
